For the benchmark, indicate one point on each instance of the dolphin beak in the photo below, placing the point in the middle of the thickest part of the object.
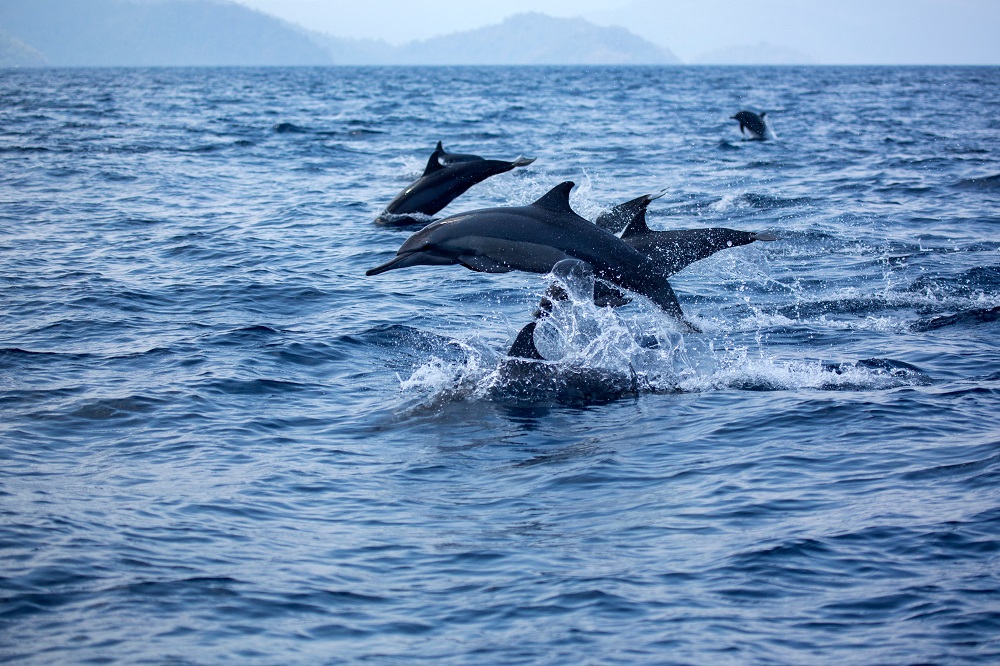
(389, 265)
(764, 237)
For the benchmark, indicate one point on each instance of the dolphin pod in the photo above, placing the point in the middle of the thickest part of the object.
(446, 176)
(618, 252)
(752, 123)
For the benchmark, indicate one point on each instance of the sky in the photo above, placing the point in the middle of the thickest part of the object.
(827, 31)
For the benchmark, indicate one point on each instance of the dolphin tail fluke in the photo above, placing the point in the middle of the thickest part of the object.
(523, 161)
(524, 345)
(628, 217)
(637, 211)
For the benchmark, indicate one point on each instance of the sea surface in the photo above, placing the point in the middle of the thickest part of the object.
(221, 443)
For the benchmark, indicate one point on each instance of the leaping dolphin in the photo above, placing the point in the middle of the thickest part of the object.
(753, 123)
(672, 251)
(440, 185)
(534, 238)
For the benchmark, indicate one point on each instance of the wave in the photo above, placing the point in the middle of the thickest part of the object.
(988, 183)
(966, 318)
(758, 202)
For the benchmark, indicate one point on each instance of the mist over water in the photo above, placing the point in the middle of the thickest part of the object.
(221, 441)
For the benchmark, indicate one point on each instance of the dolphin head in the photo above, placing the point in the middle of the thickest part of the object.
(421, 249)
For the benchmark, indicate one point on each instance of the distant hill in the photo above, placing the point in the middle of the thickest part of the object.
(761, 53)
(536, 39)
(155, 32)
(99, 33)
(15, 53)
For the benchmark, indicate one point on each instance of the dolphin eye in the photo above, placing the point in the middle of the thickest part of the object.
(729, 243)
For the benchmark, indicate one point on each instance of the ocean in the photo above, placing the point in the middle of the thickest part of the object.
(222, 443)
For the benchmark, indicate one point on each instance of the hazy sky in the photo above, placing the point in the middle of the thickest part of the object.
(829, 31)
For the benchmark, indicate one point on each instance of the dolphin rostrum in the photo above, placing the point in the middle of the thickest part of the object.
(534, 238)
(440, 185)
(753, 123)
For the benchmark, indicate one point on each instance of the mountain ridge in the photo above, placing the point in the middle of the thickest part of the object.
(222, 32)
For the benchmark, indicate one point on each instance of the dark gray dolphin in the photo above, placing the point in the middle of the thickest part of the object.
(440, 185)
(534, 238)
(752, 123)
(447, 159)
(672, 251)
(524, 377)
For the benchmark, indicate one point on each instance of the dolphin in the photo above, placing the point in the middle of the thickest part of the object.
(440, 185)
(447, 159)
(524, 377)
(534, 238)
(671, 251)
(752, 122)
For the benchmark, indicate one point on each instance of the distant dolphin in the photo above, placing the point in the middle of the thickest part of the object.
(534, 238)
(752, 123)
(447, 159)
(440, 185)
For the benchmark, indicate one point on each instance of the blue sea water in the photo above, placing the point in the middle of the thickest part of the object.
(221, 443)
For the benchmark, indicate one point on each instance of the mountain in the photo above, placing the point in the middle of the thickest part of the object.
(760, 53)
(15, 53)
(536, 39)
(344, 51)
(155, 32)
(100, 33)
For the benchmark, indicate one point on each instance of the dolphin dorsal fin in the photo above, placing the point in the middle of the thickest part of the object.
(524, 345)
(432, 163)
(556, 200)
